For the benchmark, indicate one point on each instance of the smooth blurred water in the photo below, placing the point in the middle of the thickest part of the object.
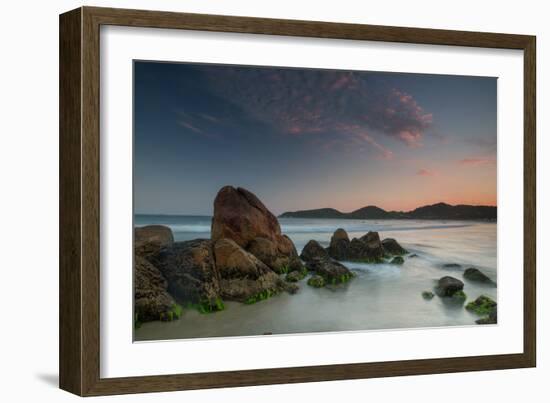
(381, 296)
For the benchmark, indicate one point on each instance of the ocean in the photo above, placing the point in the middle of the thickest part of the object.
(381, 296)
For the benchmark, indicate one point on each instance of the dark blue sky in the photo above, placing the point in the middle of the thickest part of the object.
(310, 138)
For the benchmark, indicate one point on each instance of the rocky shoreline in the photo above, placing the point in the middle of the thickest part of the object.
(248, 259)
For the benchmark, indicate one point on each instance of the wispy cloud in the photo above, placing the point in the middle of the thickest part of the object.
(206, 126)
(306, 102)
(208, 117)
(189, 126)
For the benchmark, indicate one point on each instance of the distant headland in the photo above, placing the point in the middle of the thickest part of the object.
(438, 211)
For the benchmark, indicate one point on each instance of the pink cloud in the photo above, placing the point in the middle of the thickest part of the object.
(295, 130)
(307, 102)
(412, 138)
(425, 172)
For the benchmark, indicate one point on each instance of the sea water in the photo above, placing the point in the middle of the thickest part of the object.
(381, 296)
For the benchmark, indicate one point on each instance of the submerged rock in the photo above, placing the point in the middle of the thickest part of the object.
(397, 260)
(150, 239)
(459, 296)
(316, 281)
(491, 319)
(331, 271)
(477, 275)
(392, 247)
(427, 295)
(452, 266)
(483, 305)
(151, 298)
(447, 286)
(240, 216)
(313, 251)
(291, 288)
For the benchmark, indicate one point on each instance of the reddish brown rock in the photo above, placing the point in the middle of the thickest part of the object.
(151, 298)
(152, 238)
(240, 216)
(243, 277)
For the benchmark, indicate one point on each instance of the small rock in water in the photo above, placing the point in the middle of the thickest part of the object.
(459, 296)
(392, 247)
(447, 286)
(452, 266)
(291, 288)
(427, 295)
(397, 260)
(477, 275)
(413, 255)
(330, 271)
(483, 305)
(489, 320)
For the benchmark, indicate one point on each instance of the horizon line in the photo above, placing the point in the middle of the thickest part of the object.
(321, 208)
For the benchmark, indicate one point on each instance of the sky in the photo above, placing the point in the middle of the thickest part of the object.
(310, 138)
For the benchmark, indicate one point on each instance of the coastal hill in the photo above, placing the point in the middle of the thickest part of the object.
(438, 211)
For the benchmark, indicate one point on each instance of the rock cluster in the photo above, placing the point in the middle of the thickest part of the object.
(453, 289)
(367, 249)
(241, 262)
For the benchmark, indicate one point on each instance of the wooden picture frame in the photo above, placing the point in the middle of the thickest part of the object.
(79, 346)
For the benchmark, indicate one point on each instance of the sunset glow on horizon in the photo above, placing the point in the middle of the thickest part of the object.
(308, 138)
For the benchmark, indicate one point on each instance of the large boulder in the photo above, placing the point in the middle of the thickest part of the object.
(392, 247)
(240, 216)
(243, 277)
(150, 239)
(331, 271)
(151, 298)
(313, 251)
(190, 270)
(447, 286)
(477, 275)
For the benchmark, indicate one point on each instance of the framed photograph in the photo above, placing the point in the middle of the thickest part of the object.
(249, 201)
